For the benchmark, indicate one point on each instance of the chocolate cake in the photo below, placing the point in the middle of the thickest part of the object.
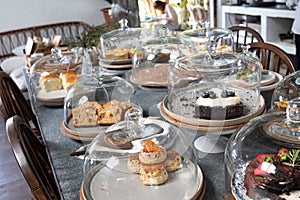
(217, 104)
(273, 176)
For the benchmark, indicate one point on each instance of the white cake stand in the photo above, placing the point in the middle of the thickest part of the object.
(211, 143)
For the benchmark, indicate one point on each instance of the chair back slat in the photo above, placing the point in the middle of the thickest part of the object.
(14, 103)
(243, 35)
(273, 58)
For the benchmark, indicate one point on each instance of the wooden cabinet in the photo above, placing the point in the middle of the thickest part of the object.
(270, 22)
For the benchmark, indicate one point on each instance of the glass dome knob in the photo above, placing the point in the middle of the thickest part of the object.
(123, 24)
(293, 112)
(288, 129)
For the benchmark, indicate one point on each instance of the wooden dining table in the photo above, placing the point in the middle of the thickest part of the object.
(69, 169)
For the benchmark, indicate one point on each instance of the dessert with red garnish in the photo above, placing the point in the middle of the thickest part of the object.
(273, 176)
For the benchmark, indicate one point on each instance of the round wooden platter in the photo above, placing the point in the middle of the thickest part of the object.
(156, 76)
(78, 135)
(196, 122)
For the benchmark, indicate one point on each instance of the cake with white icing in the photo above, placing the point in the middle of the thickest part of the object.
(217, 104)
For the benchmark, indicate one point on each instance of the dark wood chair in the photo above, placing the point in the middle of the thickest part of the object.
(14, 103)
(9, 40)
(12, 182)
(33, 159)
(273, 58)
(243, 35)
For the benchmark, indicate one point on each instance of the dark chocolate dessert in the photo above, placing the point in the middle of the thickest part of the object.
(271, 176)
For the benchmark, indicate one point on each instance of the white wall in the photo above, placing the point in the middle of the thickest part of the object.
(25, 13)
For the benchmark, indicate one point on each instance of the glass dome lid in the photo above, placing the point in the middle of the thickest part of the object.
(203, 90)
(287, 89)
(56, 62)
(118, 46)
(141, 158)
(153, 58)
(94, 104)
(208, 39)
(262, 159)
(50, 76)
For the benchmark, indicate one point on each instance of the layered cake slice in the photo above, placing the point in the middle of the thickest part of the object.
(217, 104)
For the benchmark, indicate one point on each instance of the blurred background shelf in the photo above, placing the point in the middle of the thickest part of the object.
(268, 21)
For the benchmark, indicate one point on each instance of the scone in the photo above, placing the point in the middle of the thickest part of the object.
(153, 174)
(50, 82)
(134, 164)
(152, 154)
(173, 161)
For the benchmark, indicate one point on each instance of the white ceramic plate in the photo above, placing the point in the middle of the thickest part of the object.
(117, 182)
(56, 95)
(116, 62)
(12, 63)
(18, 51)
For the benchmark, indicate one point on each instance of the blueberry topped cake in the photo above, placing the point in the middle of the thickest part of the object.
(217, 104)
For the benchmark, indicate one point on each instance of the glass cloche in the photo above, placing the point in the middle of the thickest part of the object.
(118, 46)
(152, 60)
(141, 158)
(95, 103)
(214, 91)
(208, 39)
(262, 159)
(288, 88)
(48, 76)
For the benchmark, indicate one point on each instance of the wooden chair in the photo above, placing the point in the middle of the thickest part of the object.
(273, 58)
(12, 182)
(14, 103)
(9, 40)
(33, 159)
(243, 35)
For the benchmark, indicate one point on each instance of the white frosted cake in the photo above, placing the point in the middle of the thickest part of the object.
(218, 104)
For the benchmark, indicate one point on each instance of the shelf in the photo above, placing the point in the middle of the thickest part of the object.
(272, 22)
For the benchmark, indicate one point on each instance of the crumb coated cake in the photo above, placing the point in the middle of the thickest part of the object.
(217, 104)
(273, 176)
